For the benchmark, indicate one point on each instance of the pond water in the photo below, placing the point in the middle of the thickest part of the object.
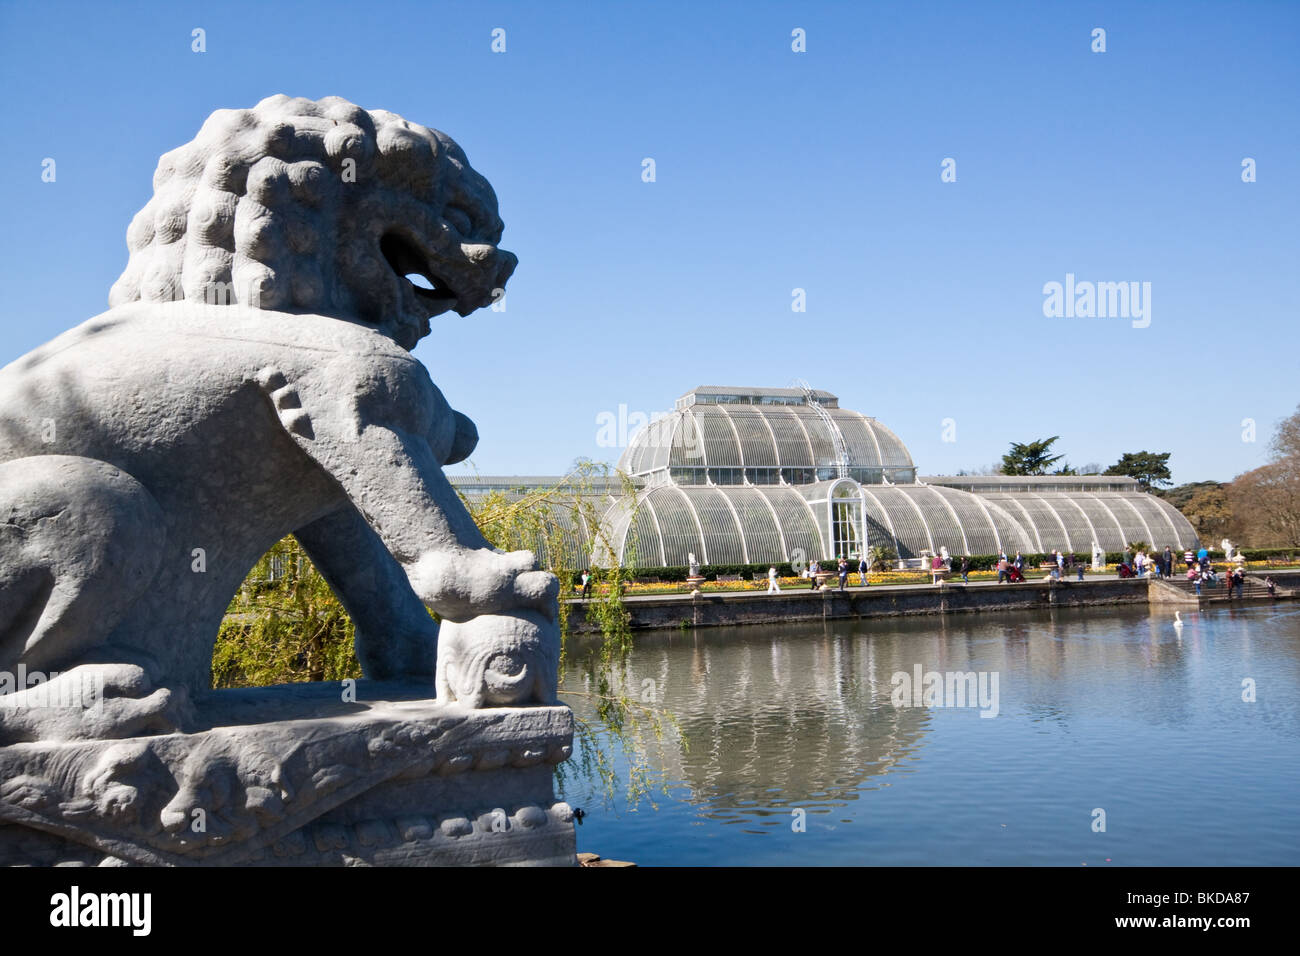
(1113, 739)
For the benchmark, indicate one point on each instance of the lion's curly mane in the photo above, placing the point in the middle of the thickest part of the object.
(318, 206)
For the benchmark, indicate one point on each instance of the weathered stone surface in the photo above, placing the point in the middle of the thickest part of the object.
(252, 380)
(498, 659)
(153, 454)
(299, 773)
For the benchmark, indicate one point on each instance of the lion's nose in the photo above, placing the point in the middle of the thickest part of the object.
(506, 262)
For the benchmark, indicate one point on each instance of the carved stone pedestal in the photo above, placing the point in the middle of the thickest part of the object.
(300, 776)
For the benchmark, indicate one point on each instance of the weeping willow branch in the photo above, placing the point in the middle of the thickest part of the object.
(285, 624)
(566, 526)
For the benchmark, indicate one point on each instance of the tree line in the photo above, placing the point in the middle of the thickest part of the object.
(1259, 508)
(1151, 469)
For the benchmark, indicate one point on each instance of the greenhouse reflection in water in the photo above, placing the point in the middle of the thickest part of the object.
(1110, 709)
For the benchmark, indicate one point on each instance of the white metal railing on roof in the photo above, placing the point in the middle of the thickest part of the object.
(843, 460)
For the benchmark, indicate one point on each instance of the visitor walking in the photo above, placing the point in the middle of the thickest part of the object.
(844, 573)
(965, 569)
(1002, 569)
(1238, 581)
(1060, 566)
(1168, 570)
(862, 570)
(813, 570)
(1019, 562)
(772, 586)
(1271, 585)
(1189, 558)
(586, 585)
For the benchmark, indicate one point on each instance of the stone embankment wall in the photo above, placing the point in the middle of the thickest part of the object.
(758, 607)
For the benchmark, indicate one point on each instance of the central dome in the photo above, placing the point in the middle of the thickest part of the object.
(764, 436)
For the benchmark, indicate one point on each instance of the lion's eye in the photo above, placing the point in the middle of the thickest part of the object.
(459, 220)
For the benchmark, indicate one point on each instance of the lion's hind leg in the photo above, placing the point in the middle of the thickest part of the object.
(24, 594)
(80, 541)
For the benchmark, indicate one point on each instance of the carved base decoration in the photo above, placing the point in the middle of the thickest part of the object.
(293, 775)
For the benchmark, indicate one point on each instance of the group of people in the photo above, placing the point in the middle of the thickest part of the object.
(814, 571)
(1008, 570)
(1206, 575)
(1159, 564)
(1201, 572)
(1011, 570)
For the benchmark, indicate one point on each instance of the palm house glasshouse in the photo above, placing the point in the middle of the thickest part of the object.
(758, 475)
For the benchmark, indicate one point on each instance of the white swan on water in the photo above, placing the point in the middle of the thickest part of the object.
(1178, 621)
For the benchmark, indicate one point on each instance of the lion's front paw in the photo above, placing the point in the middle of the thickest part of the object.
(462, 585)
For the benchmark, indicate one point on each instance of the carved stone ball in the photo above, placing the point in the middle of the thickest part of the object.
(498, 660)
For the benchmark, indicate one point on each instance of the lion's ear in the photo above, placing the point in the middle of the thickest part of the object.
(462, 446)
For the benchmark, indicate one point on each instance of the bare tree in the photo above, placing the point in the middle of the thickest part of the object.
(1265, 502)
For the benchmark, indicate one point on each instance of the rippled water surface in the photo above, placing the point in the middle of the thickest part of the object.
(1100, 709)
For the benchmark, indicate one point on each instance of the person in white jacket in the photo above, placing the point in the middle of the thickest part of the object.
(772, 586)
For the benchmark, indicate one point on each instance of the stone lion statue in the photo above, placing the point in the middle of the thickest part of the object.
(253, 379)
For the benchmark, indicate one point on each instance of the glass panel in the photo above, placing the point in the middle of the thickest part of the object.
(755, 438)
(845, 523)
(791, 443)
(1047, 526)
(1078, 532)
(1183, 534)
(1127, 512)
(944, 529)
(892, 450)
(762, 541)
(642, 549)
(719, 440)
(723, 537)
(823, 444)
(862, 450)
(1104, 520)
(688, 447)
(796, 523)
(677, 525)
(1016, 512)
(878, 531)
(908, 527)
(660, 439)
(977, 525)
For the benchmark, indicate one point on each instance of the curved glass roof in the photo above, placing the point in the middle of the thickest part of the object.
(718, 525)
(741, 475)
(762, 525)
(765, 439)
(1072, 521)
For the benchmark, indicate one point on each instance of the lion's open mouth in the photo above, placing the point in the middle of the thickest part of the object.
(406, 260)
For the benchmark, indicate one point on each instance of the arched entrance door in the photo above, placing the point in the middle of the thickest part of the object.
(848, 536)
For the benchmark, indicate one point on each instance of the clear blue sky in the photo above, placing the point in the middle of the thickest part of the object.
(775, 170)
